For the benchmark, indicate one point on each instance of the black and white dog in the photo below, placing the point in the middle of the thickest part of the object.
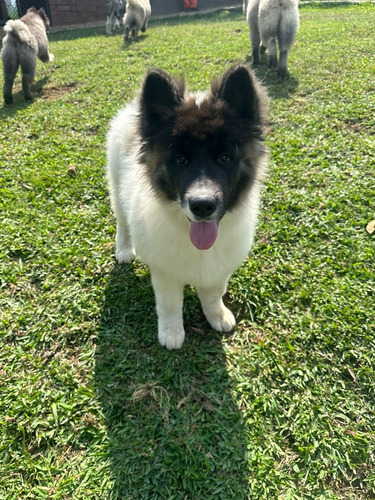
(185, 174)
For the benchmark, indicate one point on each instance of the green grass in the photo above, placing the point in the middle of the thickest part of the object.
(90, 405)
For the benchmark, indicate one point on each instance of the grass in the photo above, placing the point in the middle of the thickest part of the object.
(90, 405)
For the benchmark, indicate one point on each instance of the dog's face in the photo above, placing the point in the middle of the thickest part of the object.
(201, 151)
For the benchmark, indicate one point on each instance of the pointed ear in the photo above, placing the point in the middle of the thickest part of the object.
(44, 17)
(42, 14)
(241, 92)
(160, 96)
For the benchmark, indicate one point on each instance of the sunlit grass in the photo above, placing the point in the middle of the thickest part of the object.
(90, 405)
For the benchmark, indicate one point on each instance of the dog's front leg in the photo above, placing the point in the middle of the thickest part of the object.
(219, 316)
(169, 301)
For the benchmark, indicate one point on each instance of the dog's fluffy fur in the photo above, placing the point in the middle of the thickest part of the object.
(25, 40)
(136, 18)
(244, 7)
(185, 174)
(115, 13)
(273, 22)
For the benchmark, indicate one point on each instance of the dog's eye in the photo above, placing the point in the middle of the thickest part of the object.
(181, 160)
(224, 158)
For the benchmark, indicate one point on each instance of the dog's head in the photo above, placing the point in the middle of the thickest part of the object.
(32, 11)
(202, 150)
(42, 14)
(45, 19)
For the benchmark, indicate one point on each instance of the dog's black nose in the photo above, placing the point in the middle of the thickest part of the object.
(202, 207)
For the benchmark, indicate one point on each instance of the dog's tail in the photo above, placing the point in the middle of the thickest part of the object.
(18, 30)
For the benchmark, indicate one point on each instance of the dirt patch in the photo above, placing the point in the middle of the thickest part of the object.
(54, 93)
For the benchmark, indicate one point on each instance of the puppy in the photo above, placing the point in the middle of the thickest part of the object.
(272, 22)
(185, 174)
(136, 18)
(25, 40)
(115, 12)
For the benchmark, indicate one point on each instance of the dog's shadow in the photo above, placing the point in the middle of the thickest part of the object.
(19, 102)
(172, 423)
(127, 44)
(276, 89)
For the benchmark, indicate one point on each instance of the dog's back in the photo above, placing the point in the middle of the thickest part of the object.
(143, 5)
(38, 25)
(136, 17)
(18, 32)
(278, 18)
(273, 22)
(20, 48)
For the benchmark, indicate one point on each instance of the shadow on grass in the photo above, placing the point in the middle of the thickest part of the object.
(127, 44)
(19, 103)
(173, 426)
(90, 32)
(276, 89)
(75, 33)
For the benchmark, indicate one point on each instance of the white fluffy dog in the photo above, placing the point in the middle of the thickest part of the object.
(271, 21)
(25, 40)
(136, 17)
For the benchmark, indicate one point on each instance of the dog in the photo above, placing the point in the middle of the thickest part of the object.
(185, 174)
(24, 41)
(244, 7)
(270, 21)
(136, 18)
(115, 13)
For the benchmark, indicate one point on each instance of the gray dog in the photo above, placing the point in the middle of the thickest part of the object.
(136, 17)
(273, 22)
(115, 13)
(25, 40)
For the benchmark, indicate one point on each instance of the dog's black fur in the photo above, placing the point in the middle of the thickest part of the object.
(207, 142)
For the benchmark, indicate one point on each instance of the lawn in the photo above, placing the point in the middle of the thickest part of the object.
(91, 407)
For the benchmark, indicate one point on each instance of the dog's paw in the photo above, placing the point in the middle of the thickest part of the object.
(171, 338)
(223, 321)
(125, 255)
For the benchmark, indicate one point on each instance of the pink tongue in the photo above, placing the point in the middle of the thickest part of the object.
(203, 234)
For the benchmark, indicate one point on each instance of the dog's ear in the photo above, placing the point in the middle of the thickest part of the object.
(239, 89)
(43, 15)
(160, 97)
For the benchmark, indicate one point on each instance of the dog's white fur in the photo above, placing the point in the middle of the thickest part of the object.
(136, 17)
(158, 233)
(114, 8)
(244, 7)
(25, 41)
(273, 22)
